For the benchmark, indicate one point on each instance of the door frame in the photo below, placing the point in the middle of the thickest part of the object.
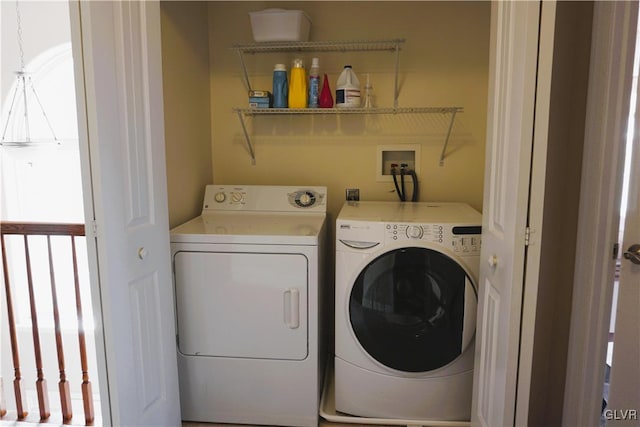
(612, 54)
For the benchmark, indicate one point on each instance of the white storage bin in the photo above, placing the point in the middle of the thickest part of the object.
(271, 25)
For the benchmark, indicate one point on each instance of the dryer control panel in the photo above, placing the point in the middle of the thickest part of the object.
(463, 239)
(264, 198)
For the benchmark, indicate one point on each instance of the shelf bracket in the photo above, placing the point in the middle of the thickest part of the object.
(244, 71)
(396, 87)
(247, 138)
(446, 140)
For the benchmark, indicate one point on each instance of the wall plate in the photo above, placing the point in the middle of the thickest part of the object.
(352, 194)
(398, 154)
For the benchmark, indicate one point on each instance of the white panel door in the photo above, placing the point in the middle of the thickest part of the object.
(623, 408)
(121, 89)
(512, 90)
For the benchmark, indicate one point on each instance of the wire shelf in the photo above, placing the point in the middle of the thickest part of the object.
(302, 111)
(320, 46)
(390, 45)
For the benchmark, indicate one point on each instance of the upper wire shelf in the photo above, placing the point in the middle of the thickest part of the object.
(320, 46)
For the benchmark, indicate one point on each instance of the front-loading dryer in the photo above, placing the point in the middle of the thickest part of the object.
(405, 309)
(249, 285)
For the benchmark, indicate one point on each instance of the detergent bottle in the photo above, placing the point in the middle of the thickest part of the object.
(298, 85)
(280, 86)
(326, 99)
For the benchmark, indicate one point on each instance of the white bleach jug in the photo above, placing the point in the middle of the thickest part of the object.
(348, 89)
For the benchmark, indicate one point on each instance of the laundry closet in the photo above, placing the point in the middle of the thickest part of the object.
(432, 80)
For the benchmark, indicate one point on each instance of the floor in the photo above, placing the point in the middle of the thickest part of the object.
(322, 423)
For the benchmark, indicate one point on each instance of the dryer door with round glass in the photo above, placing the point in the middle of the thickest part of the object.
(413, 309)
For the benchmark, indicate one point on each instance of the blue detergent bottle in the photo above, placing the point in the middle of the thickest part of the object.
(280, 86)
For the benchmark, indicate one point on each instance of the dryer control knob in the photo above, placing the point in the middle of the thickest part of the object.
(220, 197)
(237, 197)
(414, 232)
(305, 199)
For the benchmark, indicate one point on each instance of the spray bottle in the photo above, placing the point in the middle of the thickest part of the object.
(314, 84)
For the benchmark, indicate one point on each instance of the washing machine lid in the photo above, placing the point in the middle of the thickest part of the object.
(280, 228)
(424, 212)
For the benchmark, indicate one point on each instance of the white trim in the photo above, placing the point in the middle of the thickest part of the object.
(613, 42)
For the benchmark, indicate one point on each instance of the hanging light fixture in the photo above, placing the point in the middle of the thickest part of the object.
(23, 88)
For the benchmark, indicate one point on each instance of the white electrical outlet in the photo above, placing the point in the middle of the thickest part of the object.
(400, 154)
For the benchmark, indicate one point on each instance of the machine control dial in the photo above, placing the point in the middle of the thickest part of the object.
(220, 197)
(237, 197)
(414, 232)
(305, 199)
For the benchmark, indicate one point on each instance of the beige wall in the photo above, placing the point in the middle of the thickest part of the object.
(443, 63)
(185, 68)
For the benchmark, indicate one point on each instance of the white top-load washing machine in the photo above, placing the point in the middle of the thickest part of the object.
(405, 309)
(248, 277)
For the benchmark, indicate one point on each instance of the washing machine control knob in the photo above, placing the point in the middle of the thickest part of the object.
(414, 232)
(220, 197)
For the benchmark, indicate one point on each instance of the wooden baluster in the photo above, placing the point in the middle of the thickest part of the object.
(87, 396)
(41, 382)
(17, 376)
(63, 384)
(3, 406)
